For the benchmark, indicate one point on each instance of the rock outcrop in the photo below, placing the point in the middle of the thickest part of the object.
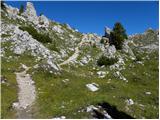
(43, 21)
(30, 13)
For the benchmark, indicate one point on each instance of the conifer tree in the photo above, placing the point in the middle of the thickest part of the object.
(118, 35)
(21, 10)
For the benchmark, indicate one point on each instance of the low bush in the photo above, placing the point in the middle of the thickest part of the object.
(106, 61)
(44, 38)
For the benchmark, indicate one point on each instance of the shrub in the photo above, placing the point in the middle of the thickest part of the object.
(106, 61)
(21, 10)
(3, 7)
(53, 47)
(44, 38)
(118, 35)
(102, 41)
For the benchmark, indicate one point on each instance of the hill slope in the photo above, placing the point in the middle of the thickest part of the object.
(63, 72)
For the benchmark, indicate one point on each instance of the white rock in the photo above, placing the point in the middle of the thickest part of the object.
(24, 66)
(43, 21)
(58, 29)
(15, 105)
(92, 87)
(65, 80)
(35, 66)
(129, 102)
(107, 116)
(110, 51)
(148, 93)
(90, 108)
(63, 117)
(84, 60)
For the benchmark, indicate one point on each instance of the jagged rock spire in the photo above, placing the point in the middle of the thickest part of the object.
(30, 13)
(107, 32)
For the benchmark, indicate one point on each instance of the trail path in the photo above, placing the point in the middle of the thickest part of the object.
(26, 94)
(74, 56)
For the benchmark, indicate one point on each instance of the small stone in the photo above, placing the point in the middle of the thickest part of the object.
(129, 102)
(15, 105)
(63, 117)
(92, 87)
(148, 93)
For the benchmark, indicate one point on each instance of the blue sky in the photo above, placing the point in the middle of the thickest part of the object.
(92, 17)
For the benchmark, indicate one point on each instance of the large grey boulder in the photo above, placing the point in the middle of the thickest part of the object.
(43, 21)
(127, 49)
(110, 51)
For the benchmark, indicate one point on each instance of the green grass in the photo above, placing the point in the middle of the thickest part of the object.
(75, 96)
(5, 35)
(44, 38)
(9, 89)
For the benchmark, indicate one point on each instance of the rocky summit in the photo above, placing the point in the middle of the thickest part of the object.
(50, 70)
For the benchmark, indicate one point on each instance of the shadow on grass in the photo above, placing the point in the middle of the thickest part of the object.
(112, 111)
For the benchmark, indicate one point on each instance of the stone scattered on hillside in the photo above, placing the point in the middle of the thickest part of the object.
(92, 87)
(101, 74)
(58, 29)
(118, 75)
(65, 80)
(61, 117)
(148, 93)
(3, 80)
(98, 112)
(129, 102)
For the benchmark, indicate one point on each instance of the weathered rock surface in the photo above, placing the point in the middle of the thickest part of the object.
(30, 13)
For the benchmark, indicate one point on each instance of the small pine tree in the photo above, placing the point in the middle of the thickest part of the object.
(21, 10)
(3, 7)
(118, 35)
(40, 14)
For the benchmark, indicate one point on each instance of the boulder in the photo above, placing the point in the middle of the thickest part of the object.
(110, 51)
(101, 74)
(92, 87)
(129, 102)
(58, 29)
(127, 49)
(43, 21)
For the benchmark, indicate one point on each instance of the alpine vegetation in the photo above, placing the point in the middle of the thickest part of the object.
(51, 70)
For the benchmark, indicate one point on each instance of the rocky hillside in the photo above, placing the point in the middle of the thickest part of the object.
(50, 70)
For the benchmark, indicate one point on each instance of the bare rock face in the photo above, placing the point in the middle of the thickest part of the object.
(22, 41)
(30, 13)
(12, 12)
(107, 32)
(43, 21)
(110, 51)
(127, 49)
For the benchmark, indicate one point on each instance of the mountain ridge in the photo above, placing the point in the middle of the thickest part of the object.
(64, 67)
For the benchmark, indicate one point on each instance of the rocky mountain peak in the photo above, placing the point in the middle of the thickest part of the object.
(30, 13)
